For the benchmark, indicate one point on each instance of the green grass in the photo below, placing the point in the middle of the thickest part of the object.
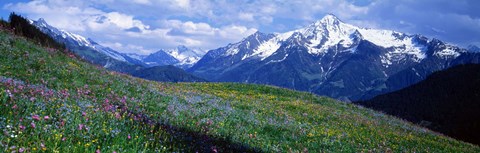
(91, 109)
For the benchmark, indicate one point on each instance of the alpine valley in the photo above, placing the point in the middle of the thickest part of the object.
(332, 58)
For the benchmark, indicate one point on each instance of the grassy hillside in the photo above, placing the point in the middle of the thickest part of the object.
(447, 101)
(55, 103)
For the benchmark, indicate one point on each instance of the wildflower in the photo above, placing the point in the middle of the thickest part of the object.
(21, 127)
(81, 126)
(43, 146)
(46, 117)
(32, 124)
(84, 114)
(14, 106)
(21, 150)
(129, 137)
(117, 115)
(214, 149)
(36, 117)
(9, 93)
(98, 151)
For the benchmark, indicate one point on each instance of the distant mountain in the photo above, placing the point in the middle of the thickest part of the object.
(159, 58)
(90, 50)
(447, 101)
(332, 58)
(167, 73)
(131, 63)
(473, 48)
(181, 57)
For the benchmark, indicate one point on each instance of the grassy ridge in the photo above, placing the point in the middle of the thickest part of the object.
(53, 102)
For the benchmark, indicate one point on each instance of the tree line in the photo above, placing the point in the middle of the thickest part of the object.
(21, 26)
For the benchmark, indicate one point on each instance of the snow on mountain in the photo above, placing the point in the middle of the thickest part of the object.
(136, 56)
(330, 57)
(186, 56)
(332, 33)
(181, 56)
(77, 40)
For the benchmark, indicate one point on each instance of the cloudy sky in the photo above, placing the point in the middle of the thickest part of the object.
(144, 26)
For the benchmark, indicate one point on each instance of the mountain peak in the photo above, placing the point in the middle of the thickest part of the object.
(42, 22)
(473, 48)
(329, 19)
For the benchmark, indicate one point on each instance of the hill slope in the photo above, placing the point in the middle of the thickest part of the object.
(51, 102)
(167, 73)
(447, 101)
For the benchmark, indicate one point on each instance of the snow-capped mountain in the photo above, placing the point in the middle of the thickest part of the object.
(129, 63)
(89, 49)
(186, 56)
(181, 56)
(330, 57)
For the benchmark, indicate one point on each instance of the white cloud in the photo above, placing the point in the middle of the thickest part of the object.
(185, 4)
(145, 2)
(246, 16)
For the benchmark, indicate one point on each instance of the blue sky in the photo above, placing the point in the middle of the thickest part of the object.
(145, 26)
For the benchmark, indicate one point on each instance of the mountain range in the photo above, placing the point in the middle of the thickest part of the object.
(328, 57)
(181, 56)
(152, 65)
(332, 58)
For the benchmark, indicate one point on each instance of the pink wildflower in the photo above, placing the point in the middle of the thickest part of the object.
(21, 149)
(36, 117)
(84, 114)
(80, 126)
(14, 106)
(32, 124)
(46, 117)
(22, 127)
(129, 137)
(98, 151)
(117, 115)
